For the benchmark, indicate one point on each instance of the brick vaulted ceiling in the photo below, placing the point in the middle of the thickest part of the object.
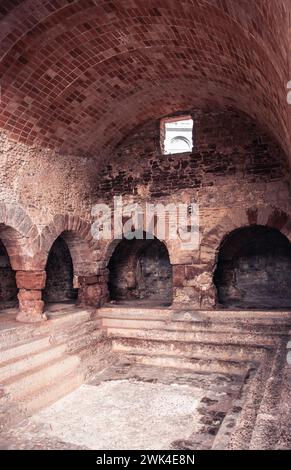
(79, 75)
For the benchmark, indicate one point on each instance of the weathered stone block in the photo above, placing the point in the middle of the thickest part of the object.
(186, 295)
(90, 295)
(208, 299)
(207, 254)
(178, 275)
(31, 311)
(24, 294)
(191, 272)
(30, 279)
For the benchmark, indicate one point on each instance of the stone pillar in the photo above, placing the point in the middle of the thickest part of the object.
(93, 290)
(31, 306)
(193, 285)
(183, 293)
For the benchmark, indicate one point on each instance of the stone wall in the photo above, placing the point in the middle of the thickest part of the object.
(229, 148)
(45, 182)
(236, 173)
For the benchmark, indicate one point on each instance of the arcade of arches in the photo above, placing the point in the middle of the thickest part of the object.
(85, 86)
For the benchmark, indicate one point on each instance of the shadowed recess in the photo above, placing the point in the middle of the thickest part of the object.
(59, 271)
(254, 269)
(140, 270)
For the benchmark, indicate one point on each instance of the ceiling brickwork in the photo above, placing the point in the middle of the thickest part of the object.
(78, 76)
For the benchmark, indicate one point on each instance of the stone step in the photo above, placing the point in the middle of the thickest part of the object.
(77, 330)
(22, 364)
(57, 325)
(184, 314)
(210, 351)
(43, 376)
(186, 363)
(135, 311)
(272, 326)
(266, 427)
(48, 395)
(84, 341)
(220, 338)
(21, 349)
(18, 334)
(253, 393)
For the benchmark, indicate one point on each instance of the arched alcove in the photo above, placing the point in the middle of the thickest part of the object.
(8, 288)
(140, 270)
(59, 271)
(254, 269)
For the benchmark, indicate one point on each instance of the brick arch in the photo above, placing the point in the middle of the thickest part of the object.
(269, 216)
(212, 240)
(251, 247)
(109, 247)
(77, 235)
(124, 264)
(19, 236)
(272, 217)
(280, 220)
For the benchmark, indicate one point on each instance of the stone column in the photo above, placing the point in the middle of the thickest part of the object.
(93, 290)
(31, 306)
(193, 285)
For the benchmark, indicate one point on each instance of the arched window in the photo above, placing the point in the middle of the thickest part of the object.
(180, 144)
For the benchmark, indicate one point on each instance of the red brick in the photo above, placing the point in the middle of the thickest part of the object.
(30, 280)
(175, 51)
(178, 275)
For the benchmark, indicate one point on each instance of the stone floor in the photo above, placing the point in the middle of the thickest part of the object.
(132, 407)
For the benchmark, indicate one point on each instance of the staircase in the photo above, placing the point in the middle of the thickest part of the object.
(37, 373)
(249, 345)
(41, 365)
(220, 341)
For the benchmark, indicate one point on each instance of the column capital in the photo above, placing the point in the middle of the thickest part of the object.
(31, 280)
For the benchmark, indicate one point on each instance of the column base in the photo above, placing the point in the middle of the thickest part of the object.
(25, 317)
(30, 311)
(93, 291)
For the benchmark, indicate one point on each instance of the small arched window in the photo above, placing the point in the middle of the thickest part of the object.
(177, 134)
